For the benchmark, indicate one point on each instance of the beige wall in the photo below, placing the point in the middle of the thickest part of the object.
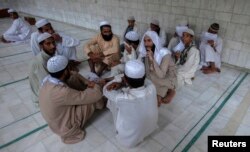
(232, 15)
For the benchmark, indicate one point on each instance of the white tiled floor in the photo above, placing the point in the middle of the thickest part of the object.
(178, 122)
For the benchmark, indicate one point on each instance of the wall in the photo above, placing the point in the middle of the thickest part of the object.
(233, 17)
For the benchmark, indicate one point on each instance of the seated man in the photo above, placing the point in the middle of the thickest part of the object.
(131, 43)
(38, 70)
(155, 26)
(188, 61)
(19, 31)
(65, 45)
(211, 48)
(160, 68)
(103, 49)
(176, 39)
(66, 110)
(132, 101)
(131, 27)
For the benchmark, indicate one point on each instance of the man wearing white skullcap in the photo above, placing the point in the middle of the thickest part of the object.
(181, 26)
(155, 26)
(188, 60)
(19, 31)
(133, 103)
(66, 110)
(129, 53)
(160, 67)
(103, 49)
(66, 45)
(131, 43)
(38, 70)
(131, 26)
(211, 48)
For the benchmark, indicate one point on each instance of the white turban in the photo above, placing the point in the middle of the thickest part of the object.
(209, 36)
(43, 37)
(179, 47)
(155, 22)
(132, 36)
(159, 51)
(134, 69)
(11, 10)
(131, 18)
(104, 23)
(180, 30)
(189, 31)
(41, 23)
(57, 63)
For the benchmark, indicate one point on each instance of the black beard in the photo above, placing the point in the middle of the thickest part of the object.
(107, 37)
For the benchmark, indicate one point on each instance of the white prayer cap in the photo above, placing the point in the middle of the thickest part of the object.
(155, 22)
(180, 30)
(210, 36)
(131, 18)
(102, 23)
(41, 23)
(43, 37)
(132, 36)
(182, 22)
(179, 47)
(57, 63)
(11, 10)
(134, 69)
(190, 31)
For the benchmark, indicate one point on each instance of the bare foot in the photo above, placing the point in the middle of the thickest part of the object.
(209, 71)
(159, 100)
(169, 97)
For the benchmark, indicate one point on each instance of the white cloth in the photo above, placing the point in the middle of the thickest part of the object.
(186, 71)
(57, 63)
(20, 30)
(135, 29)
(41, 23)
(179, 47)
(34, 43)
(132, 36)
(162, 36)
(126, 56)
(11, 10)
(208, 54)
(104, 23)
(134, 69)
(173, 42)
(180, 30)
(43, 37)
(66, 48)
(134, 111)
(159, 52)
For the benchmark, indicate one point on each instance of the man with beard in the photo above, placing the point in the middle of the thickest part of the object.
(19, 30)
(38, 69)
(103, 49)
(66, 110)
(65, 45)
(160, 68)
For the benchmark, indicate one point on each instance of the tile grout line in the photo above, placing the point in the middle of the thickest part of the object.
(237, 116)
(207, 123)
(204, 115)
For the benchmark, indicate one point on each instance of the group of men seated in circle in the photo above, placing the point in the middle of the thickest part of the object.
(131, 79)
